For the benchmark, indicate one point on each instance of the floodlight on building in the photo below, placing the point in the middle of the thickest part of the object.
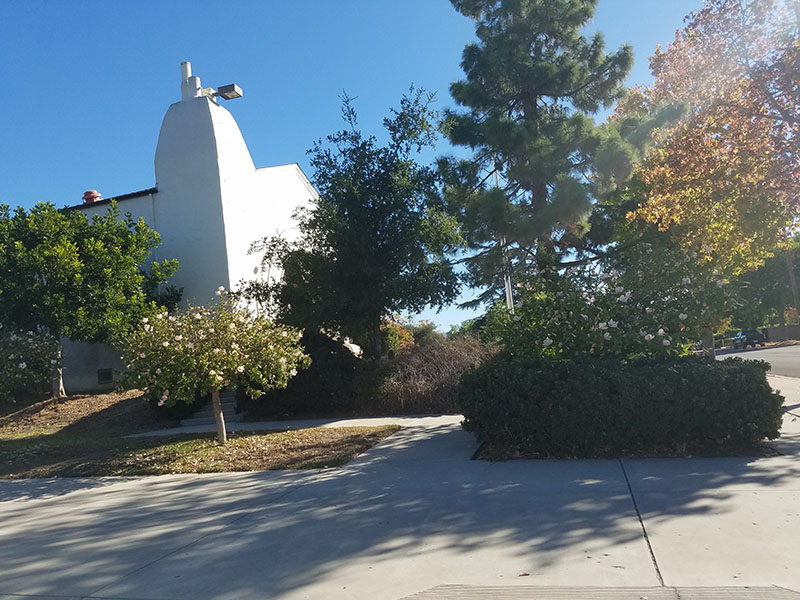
(229, 92)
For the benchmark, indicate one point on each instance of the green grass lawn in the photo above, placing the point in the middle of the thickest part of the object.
(85, 436)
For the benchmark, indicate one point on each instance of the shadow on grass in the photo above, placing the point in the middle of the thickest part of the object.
(39, 445)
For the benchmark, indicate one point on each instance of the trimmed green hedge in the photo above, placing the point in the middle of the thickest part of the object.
(597, 407)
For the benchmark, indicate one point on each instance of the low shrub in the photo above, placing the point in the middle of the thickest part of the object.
(424, 378)
(611, 407)
(420, 379)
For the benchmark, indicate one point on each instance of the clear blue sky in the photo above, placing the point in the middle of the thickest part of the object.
(86, 83)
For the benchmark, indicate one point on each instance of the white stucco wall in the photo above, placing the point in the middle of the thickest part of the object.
(211, 205)
(81, 362)
(264, 210)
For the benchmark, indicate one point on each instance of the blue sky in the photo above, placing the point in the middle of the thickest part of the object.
(88, 82)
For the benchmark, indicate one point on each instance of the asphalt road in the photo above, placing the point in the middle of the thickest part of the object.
(785, 361)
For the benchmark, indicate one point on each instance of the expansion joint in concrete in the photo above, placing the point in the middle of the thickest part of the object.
(641, 524)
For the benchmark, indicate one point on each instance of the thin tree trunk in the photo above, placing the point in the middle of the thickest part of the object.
(792, 280)
(222, 436)
(784, 334)
(377, 343)
(57, 380)
(707, 337)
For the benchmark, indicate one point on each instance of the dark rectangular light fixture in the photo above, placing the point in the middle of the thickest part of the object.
(229, 92)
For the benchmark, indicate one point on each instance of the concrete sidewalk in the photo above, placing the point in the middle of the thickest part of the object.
(414, 517)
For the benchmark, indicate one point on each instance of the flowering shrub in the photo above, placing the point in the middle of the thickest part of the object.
(27, 361)
(590, 313)
(202, 350)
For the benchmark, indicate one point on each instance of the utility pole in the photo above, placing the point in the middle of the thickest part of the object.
(503, 249)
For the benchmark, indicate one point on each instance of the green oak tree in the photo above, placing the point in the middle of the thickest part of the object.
(376, 241)
(62, 274)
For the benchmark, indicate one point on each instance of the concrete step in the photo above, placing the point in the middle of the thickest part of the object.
(205, 416)
(191, 421)
(209, 410)
(475, 592)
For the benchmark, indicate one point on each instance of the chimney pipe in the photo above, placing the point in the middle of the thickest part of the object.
(91, 196)
(190, 86)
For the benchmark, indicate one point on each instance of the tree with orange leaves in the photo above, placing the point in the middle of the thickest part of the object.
(724, 180)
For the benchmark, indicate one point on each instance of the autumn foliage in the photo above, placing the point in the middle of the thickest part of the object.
(724, 179)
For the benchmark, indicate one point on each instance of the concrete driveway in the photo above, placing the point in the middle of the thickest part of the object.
(414, 517)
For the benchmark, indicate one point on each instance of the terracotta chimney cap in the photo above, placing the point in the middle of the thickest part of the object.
(91, 196)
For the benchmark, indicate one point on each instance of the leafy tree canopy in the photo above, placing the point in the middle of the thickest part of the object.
(724, 180)
(63, 274)
(376, 240)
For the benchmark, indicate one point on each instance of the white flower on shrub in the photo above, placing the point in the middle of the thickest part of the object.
(602, 325)
(660, 332)
(22, 365)
(649, 337)
(648, 310)
(607, 336)
(240, 368)
(613, 323)
(546, 342)
(683, 316)
(665, 342)
(686, 281)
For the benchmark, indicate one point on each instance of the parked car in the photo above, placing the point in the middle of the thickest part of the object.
(750, 337)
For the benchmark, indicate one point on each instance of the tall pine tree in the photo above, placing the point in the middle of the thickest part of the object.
(532, 83)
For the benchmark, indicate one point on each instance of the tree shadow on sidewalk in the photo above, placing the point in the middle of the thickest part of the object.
(283, 532)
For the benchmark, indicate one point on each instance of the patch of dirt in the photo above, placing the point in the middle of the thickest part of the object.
(126, 410)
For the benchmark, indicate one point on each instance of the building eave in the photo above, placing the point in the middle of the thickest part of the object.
(119, 198)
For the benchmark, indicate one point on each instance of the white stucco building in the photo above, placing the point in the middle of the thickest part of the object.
(209, 204)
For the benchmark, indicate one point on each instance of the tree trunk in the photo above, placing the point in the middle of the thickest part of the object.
(784, 334)
(222, 436)
(792, 280)
(57, 380)
(707, 337)
(377, 343)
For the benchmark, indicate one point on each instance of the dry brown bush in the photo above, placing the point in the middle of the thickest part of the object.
(424, 378)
